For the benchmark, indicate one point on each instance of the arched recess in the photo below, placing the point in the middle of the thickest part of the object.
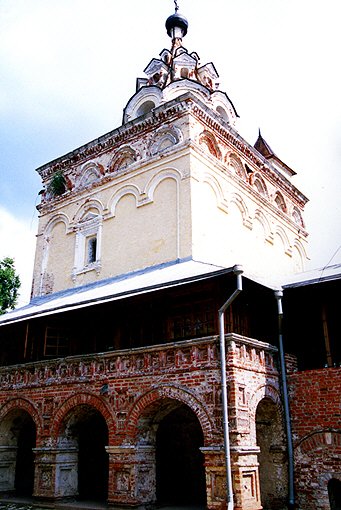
(88, 174)
(20, 425)
(152, 184)
(58, 218)
(81, 434)
(272, 456)
(92, 206)
(299, 256)
(297, 217)
(259, 185)
(216, 187)
(142, 102)
(54, 259)
(129, 189)
(317, 462)
(123, 158)
(240, 204)
(168, 422)
(164, 138)
(261, 218)
(235, 163)
(281, 240)
(280, 202)
(209, 141)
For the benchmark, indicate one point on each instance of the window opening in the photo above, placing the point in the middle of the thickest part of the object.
(92, 250)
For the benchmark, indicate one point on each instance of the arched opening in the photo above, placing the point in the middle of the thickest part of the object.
(18, 439)
(24, 469)
(222, 113)
(86, 433)
(334, 493)
(145, 107)
(272, 456)
(180, 472)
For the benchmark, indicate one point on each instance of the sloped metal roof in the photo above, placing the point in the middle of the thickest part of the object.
(119, 287)
(315, 276)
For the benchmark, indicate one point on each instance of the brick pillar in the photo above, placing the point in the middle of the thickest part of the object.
(215, 476)
(131, 475)
(245, 477)
(146, 474)
(8, 458)
(56, 473)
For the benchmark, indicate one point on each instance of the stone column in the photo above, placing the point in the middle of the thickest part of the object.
(8, 459)
(56, 473)
(131, 475)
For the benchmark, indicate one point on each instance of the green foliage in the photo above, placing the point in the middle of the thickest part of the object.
(57, 184)
(9, 285)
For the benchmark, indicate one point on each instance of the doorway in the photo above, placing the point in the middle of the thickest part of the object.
(180, 472)
(272, 456)
(92, 458)
(85, 434)
(25, 431)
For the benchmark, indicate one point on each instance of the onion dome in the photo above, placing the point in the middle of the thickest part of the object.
(176, 26)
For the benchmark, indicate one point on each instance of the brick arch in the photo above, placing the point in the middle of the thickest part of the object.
(83, 399)
(265, 391)
(24, 405)
(172, 393)
(319, 439)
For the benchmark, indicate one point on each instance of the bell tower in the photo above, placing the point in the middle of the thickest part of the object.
(175, 182)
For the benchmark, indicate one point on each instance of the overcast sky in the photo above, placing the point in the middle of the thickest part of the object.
(68, 68)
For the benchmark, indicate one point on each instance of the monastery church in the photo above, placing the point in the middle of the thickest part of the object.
(148, 369)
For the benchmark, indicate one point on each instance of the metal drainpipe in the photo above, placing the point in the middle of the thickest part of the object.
(229, 489)
(291, 503)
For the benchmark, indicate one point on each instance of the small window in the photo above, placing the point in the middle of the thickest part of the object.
(91, 250)
(57, 343)
(184, 72)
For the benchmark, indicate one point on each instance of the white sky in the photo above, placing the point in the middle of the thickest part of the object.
(68, 68)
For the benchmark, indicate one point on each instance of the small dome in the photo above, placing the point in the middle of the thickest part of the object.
(176, 20)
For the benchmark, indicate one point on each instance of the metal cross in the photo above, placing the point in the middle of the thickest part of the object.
(176, 6)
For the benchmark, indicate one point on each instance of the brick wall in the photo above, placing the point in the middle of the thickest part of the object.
(130, 390)
(315, 399)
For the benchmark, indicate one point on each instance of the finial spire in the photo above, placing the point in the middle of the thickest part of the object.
(176, 6)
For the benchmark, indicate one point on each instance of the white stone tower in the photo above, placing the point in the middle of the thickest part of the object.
(175, 182)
